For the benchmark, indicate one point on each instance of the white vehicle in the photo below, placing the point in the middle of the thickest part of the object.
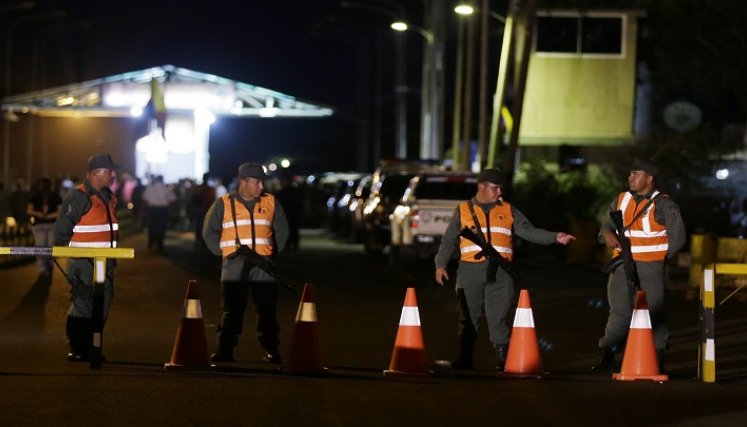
(421, 217)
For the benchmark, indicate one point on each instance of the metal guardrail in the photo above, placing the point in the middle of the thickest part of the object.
(707, 347)
(15, 236)
(98, 257)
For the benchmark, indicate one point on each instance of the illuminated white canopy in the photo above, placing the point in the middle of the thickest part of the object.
(184, 92)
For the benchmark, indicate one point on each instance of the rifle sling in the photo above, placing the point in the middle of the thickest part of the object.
(236, 226)
(478, 228)
(640, 212)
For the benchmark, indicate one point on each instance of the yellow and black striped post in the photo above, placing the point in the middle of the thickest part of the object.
(98, 256)
(707, 349)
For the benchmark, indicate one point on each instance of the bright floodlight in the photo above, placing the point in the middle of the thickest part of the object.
(136, 111)
(399, 26)
(722, 174)
(272, 167)
(464, 9)
(205, 116)
(285, 163)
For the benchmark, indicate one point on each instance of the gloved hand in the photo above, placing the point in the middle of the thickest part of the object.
(242, 250)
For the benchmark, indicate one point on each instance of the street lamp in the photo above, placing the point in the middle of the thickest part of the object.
(399, 26)
(461, 159)
(431, 102)
(464, 9)
(403, 26)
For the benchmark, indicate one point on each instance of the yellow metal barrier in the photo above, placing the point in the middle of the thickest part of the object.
(707, 348)
(98, 257)
(706, 249)
(69, 252)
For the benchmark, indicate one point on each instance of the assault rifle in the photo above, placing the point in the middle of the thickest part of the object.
(626, 255)
(263, 264)
(495, 259)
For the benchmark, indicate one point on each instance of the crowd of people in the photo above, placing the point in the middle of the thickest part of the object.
(154, 205)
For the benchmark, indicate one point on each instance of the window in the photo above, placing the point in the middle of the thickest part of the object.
(557, 35)
(574, 34)
(601, 35)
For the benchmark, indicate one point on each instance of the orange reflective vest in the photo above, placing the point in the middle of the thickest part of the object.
(648, 239)
(262, 241)
(497, 229)
(97, 228)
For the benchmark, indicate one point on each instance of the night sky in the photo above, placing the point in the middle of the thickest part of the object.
(308, 49)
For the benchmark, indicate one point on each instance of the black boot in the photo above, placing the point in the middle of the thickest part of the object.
(660, 358)
(501, 350)
(78, 331)
(222, 354)
(272, 356)
(605, 363)
(464, 359)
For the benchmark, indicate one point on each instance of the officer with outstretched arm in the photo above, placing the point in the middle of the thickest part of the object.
(479, 283)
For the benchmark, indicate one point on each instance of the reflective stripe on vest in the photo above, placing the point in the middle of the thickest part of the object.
(264, 210)
(648, 239)
(93, 229)
(499, 235)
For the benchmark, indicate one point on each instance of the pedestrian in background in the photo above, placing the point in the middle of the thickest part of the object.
(158, 197)
(290, 196)
(202, 198)
(654, 225)
(43, 207)
(496, 220)
(18, 201)
(247, 219)
(4, 211)
(88, 219)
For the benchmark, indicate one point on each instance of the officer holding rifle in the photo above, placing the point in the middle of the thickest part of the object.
(482, 230)
(653, 225)
(244, 226)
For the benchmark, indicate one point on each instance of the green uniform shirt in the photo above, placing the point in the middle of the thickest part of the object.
(522, 228)
(666, 212)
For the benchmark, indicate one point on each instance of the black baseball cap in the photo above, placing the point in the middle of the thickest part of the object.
(494, 176)
(252, 170)
(102, 161)
(645, 165)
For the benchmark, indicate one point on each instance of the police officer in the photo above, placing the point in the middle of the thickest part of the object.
(656, 231)
(246, 217)
(497, 220)
(88, 219)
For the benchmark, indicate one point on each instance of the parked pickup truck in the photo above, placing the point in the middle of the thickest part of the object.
(421, 217)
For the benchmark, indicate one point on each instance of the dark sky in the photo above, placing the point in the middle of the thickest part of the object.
(309, 49)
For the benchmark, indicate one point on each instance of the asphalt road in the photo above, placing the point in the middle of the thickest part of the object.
(358, 302)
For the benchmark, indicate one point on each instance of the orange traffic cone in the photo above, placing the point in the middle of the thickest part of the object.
(408, 357)
(523, 359)
(305, 352)
(640, 361)
(190, 346)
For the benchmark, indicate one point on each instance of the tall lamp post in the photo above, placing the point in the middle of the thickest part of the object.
(431, 105)
(458, 153)
(6, 88)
